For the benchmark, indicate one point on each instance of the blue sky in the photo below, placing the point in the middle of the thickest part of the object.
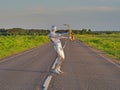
(89, 14)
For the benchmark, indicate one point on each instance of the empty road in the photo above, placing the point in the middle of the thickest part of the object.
(26, 71)
(84, 67)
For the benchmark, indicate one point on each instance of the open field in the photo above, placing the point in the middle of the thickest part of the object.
(13, 44)
(110, 43)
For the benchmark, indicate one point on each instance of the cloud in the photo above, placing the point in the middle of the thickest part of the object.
(91, 8)
(40, 10)
(109, 0)
(32, 11)
(106, 9)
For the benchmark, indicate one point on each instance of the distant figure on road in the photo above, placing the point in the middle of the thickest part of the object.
(55, 39)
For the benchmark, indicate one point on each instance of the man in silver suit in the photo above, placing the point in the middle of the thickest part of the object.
(55, 39)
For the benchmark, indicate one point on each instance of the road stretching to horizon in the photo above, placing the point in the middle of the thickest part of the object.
(85, 69)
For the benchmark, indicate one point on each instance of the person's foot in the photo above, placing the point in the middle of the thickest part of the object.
(61, 72)
(55, 71)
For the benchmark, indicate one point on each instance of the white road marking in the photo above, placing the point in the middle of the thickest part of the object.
(110, 60)
(106, 58)
(47, 82)
(49, 77)
(19, 54)
(53, 67)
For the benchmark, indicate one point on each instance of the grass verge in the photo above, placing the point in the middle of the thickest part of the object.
(10, 45)
(110, 43)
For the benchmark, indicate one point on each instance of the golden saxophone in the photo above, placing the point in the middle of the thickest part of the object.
(71, 34)
(72, 37)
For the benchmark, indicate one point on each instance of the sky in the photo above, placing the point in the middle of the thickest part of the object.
(79, 14)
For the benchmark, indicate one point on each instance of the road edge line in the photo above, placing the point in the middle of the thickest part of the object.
(105, 57)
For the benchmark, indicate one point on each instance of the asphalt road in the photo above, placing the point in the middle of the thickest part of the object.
(85, 69)
(26, 71)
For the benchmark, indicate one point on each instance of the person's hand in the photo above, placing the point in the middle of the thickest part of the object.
(70, 37)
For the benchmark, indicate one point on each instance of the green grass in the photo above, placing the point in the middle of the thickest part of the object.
(110, 43)
(10, 45)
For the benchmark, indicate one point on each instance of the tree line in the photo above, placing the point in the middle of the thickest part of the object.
(20, 31)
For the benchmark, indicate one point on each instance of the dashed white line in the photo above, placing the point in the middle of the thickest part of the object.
(47, 82)
(49, 77)
(53, 67)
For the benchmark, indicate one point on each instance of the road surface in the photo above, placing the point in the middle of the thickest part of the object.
(85, 69)
(26, 71)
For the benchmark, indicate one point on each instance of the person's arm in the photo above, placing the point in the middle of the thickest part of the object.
(61, 36)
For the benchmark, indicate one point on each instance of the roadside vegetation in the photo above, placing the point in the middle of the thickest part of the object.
(10, 45)
(109, 43)
(16, 40)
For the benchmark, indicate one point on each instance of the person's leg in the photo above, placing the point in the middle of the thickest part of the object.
(56, 65)
(60, 59)
(58, 48)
